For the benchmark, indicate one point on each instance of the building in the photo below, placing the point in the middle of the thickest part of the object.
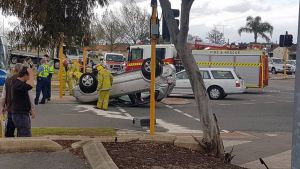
(279, 52)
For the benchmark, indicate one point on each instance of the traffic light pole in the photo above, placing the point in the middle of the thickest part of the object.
(296, 116)
(154, 32)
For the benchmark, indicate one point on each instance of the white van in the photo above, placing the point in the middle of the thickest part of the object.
(219, 82)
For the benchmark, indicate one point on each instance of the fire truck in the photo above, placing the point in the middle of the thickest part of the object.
(251, 65)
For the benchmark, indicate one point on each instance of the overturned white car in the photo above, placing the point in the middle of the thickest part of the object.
(129, 83)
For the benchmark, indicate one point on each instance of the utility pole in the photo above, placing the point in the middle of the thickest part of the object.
(296, 116)
(154, 36)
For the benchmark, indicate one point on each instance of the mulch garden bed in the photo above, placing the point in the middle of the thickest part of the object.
(146, 155)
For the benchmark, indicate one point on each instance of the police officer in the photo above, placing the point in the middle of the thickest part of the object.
(67, 77)
(50, 63)
(41, 86)
(105, 81)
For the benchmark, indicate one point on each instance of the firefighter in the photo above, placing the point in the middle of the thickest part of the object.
(41, 86)
(67, 77)
(105, 80)
(75, 71)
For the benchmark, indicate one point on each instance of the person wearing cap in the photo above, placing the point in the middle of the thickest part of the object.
(41, 86)
(105, 80)
(51, 72)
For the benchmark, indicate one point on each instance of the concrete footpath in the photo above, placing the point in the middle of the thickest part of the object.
(42, 160)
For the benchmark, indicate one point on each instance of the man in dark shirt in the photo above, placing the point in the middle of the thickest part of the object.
(20, 102)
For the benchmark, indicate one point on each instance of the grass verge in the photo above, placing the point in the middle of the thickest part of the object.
(92, 132)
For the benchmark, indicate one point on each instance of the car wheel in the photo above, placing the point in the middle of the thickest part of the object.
(56, 64)
(146, 68)
(14, 60)
(88, 83)
(273, 70)
(215, 92)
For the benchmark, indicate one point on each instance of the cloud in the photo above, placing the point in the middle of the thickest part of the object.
(247, 6)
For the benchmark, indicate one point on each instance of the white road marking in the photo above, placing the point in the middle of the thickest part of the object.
(187, 115)
(271, 135)
(224, 104)
(168, 106)
(270, 102)
(82, 111)
(106, 114)
(175, 128)
(225, 131)
(179, 111)
(290, 101)
(122, 110)
(128, 115)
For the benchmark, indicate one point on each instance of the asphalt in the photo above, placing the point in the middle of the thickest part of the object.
(267, 110)
(41, 160)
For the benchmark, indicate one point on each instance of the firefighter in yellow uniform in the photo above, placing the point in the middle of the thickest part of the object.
(75, 71)
(105, 80)
(67, 77)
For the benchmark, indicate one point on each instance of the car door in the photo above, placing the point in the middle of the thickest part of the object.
(183, 85)
(224, 79)
(206, 77)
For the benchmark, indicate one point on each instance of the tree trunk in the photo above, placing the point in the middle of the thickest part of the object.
(255, 37)
(211, 133)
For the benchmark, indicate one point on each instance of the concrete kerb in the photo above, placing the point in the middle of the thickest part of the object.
(14, 145)
(97, 156)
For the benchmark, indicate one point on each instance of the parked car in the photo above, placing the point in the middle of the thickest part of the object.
(129, 83)
(276, 65)
(219, 82)
(115, 62)
(292, 62)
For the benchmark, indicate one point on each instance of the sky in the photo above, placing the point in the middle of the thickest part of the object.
(228, 16)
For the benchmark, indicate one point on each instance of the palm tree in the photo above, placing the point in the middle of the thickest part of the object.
(255, 26)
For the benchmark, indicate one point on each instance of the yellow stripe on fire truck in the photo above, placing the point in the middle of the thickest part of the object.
(237, 64)
(140, 64)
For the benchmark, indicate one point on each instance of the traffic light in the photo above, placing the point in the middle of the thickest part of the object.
(286, 40)
(165, 30)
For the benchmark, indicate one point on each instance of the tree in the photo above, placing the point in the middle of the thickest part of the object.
(112, 29)
(211, 141)
(43, 18)
(215, 36)
(255, 26)
(135, 22)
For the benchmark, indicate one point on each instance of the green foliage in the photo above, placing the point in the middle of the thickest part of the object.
(255, 26)
(43, 20)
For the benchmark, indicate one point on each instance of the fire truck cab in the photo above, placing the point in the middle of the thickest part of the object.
(138, 53)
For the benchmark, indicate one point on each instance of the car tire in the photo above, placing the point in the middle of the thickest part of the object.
(146, 68)
(273, 70)
(56, 64)
(224, 95)
(88, 83)
(14, 60)
(215, 92)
